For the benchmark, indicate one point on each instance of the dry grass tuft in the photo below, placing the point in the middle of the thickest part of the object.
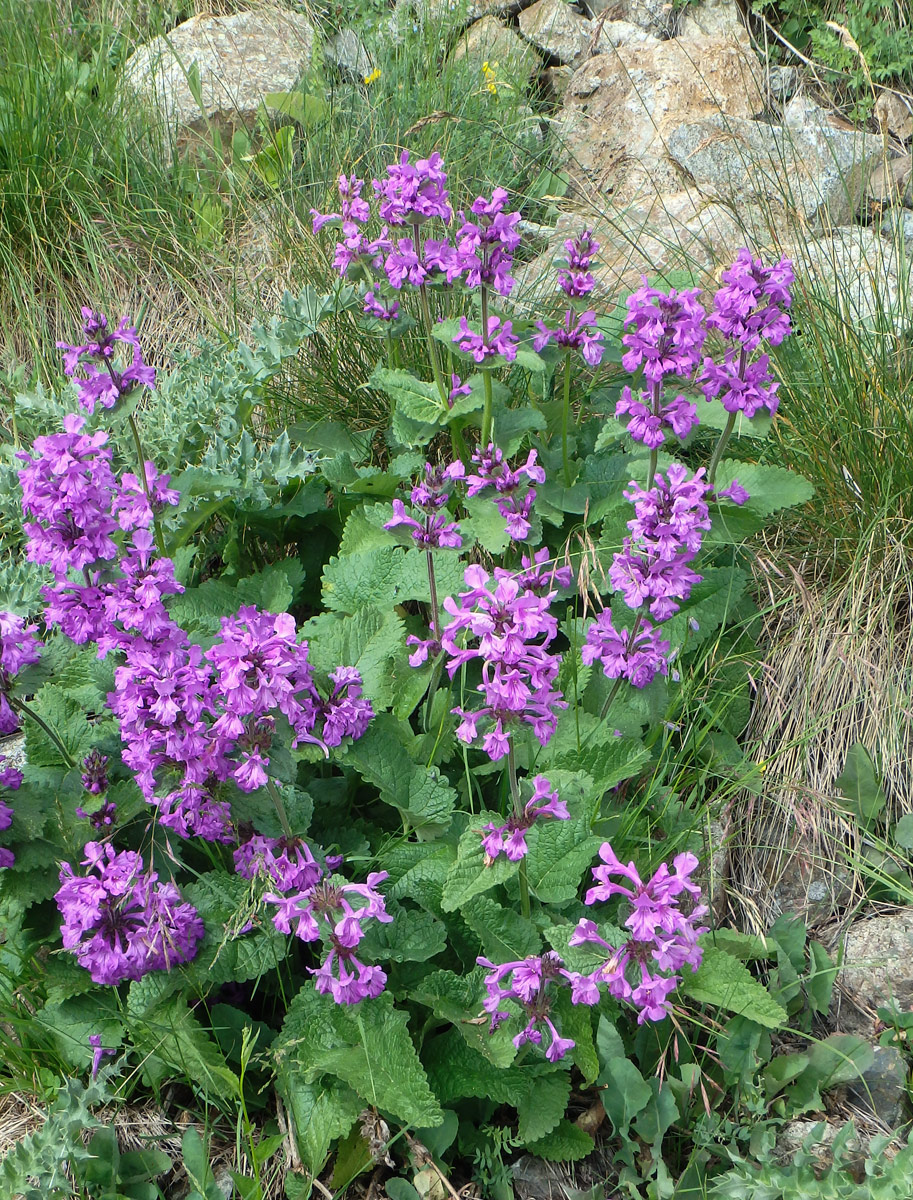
(839, 671)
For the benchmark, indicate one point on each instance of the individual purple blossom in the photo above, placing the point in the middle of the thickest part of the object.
(500, 340)
(98, 1052)
(530, 983)
(103, 383)
(539, 576)
(95, 773)
(576, 280)
(120, 921)
(68, 489)
(413, 193)
(665, 332)
(510, 838)
(19, 647)
(664, 931)
(130, 502)
(355, 210)
(336, 912)
(513, 496)
(11, 779)
(513, 629)
(102, 817)
(653, 415)
(639, 660)
(734, 492)
(457, 389)
(287, 864)
(346, 712)
(752, 305)
(578, 332)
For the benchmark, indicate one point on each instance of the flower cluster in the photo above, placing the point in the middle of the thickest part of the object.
(18, 648)
(532, 984)
(513, 496)
(316, 906)
(120, 921)
(499, 338)
(664, 931)
(430, 496)
(103, 383)
(485, 247)
(666, 333)
(10, 779)
(638, 658)
(413, 193)
(578, 332)
(576, 279)
(510, 838)
(511, 628)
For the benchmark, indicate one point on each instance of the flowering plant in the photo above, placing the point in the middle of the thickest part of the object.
(364, 800)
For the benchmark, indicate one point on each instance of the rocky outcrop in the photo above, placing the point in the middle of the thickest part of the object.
(555, 29)
(236, 59)
(877, 970)
(490, 41)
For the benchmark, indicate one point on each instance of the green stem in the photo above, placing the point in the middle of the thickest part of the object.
(432, 588)
(635, 628)
(280, 809)
(651, 474)
(486, 411)
(22, 707)
(518, 812)
(156, 527)
(442, 388)
(565, 415)
(720, 447)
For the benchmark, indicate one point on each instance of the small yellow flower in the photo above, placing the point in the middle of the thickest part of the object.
(373, 77)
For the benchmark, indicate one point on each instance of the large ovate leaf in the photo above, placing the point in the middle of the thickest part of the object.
(567, 1143)
(769, 488)
(559, 853)
(540, 1111)
(470, 876)
(506, 935)
(723, 982)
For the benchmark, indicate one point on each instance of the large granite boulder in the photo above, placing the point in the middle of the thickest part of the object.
(620, 108)
(557, 30)
(237, 59)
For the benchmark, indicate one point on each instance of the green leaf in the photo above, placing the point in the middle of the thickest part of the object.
(457, 1070)
(839, 1058)
(485, 524)
(769, 488)
(513, 425)
(416, 400)
(559, 853)
(723, 982)
(710, 603)
(410, 937)
(458, 999)
(658, 1116)
(607, 762)
(506, 936)
(363, 580)
(367, 1047)
(71, 1022)
(714, 416)
(67, 717)
(903, 832)
(371, 641)
(746, 946)
(171, 1035)
(321, 1110)
(540, 1111)
(567, 1143)
(469, 876)
(418, 871)
(860, 785)
(577, 1023)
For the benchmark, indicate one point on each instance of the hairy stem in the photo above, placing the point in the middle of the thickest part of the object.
(730, 425)
(22, 707)
(280, 809)
(429, 325)
(518, 812)
(486, 411)
(565, 416)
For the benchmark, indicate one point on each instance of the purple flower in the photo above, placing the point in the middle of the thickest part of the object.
(336, 912)
(354, 209)
(68, 489)
(103, 383)
(666, 332)
(512, 495)
(734, 492)
(652, 567)
(457, 388)
(539, 577)
(376, 308)
(430, 496)
(94, 773)
(513, 628)
(98, 1052)
(742, 386)
(530, 983)
(130, 502)
(510, 838)
(750, 308)
(639, 660)
(500, 340)
(485, 247)
(18, 648)
(287, 864)
(119, 921)
(662, 921)
(10, 778)
(346, 712)
(102, 817)
(579, 332)
(414, 193)
(576, 280)
(650, 417)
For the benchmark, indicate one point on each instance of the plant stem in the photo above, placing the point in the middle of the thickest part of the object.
(426, 317)
(629, 646)
(22, 707)
(730, 425)
(280, 809)
(486, 411)
(156, 527)
(432, 588)
(565, 415)
(518, 812)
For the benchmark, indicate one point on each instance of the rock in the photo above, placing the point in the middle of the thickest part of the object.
(346, 52)
(535, 1179)
(462, 12)
(898, 223)
(659, 17)
(612, 34)
(860, 273)
(801, 877)
(490, 41)
(556, 80)
(892, 182)
(620, 107)
(807, 166)
(818, 1137)
(882, 1089)
(554, 28)
(877, 969)
(239, 58)
(895, 114)
(714, 18)
(12, 749)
